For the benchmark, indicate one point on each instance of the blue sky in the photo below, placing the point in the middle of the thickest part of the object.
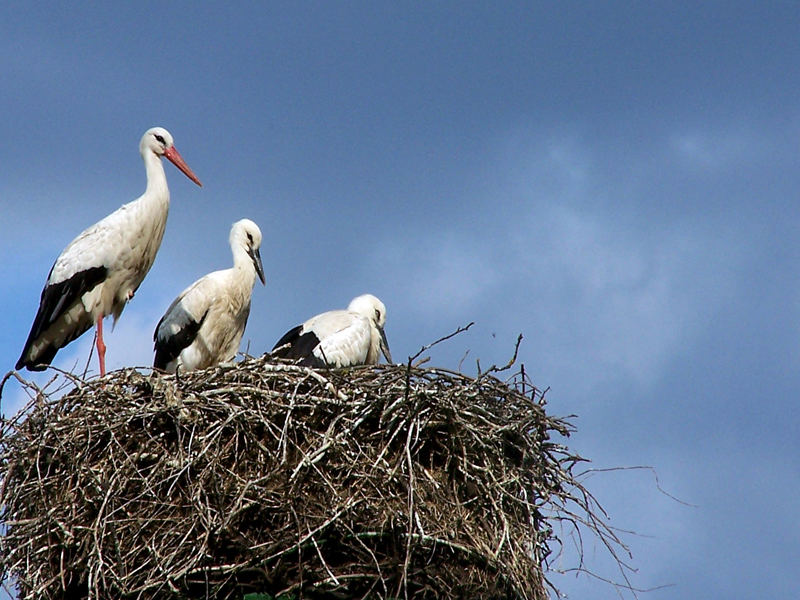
(615, 181)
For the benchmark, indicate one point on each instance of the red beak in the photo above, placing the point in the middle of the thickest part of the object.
(176, 159)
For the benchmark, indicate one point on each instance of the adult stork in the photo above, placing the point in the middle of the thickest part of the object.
(101, 269)
(339, 338)
(204, 325)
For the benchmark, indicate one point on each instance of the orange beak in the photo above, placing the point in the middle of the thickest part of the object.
(176, 159)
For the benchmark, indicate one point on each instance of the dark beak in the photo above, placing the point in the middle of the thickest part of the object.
(256, 256)
(385, 346)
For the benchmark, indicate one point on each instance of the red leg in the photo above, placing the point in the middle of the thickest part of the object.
(101, 346)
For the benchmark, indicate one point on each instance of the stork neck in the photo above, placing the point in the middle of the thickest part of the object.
(156, 178)
(244, 265)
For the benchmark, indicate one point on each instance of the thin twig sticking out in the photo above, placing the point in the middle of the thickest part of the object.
(495, 368)
(411, 359)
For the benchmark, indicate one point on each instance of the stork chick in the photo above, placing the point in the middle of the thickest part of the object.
(339, 338)
(205, 324)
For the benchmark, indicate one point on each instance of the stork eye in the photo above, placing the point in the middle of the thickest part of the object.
(377, 315)
(249, 237)
(160, 139)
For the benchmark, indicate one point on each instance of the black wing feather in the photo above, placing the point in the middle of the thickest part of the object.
(168, 349)
(288, 338)
(300, 346)
(56, 298)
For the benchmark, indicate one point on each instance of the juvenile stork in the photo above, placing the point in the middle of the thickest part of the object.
(101, 269)
(204, 325)
(339, 338)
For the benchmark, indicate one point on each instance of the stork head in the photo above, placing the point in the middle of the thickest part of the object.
(374, 310)
(159, 141)
(246, 235)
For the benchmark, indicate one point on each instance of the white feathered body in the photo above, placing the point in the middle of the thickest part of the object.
(346, 339)
(107, 262)
(220, 303)
(204, 325)
(339, 338)
(126, 243)
(101, 269)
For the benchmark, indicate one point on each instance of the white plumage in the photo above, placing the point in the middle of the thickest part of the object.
(339, 338)
(101, 269)
(204, 325)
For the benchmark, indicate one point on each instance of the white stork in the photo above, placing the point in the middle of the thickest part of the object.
(204, 325)
(101, 269)
(339, 338)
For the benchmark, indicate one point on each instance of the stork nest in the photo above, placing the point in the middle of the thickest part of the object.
(268, 480)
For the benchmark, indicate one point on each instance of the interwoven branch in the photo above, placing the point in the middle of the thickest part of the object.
(380, 482)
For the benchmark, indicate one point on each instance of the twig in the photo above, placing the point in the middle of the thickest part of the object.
(495, 368)
(441, 339)
(637, 468)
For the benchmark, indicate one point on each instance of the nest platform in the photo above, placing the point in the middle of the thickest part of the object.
(266, 480)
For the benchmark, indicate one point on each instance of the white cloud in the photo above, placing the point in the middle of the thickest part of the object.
(711, 149)
(611, 296)
(621, 302)
(446, 274)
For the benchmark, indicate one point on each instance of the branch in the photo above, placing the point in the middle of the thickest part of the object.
(508, 365)
(442, 339)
